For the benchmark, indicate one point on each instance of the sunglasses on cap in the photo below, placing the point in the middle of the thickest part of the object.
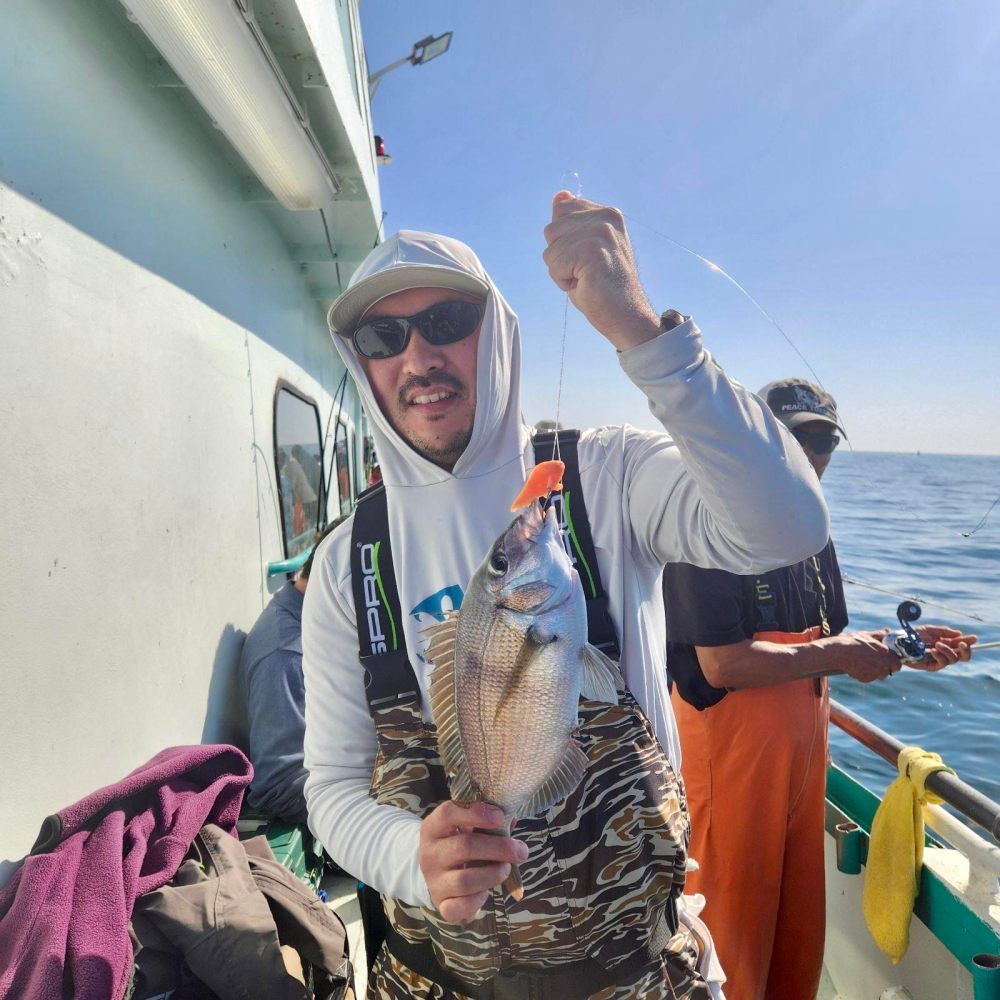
(819, 444)
(443, 323)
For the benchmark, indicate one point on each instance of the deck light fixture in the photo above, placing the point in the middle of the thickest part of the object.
(423, 52)
(221, 56)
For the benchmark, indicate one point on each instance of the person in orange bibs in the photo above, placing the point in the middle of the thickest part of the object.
(753, 727)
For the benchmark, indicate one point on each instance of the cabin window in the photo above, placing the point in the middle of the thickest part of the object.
(345, 468)
(297, 459)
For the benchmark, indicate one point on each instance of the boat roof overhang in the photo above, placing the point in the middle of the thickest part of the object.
(316, 48)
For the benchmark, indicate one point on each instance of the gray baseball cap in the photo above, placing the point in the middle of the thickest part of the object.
(404, 261)
(794, 401)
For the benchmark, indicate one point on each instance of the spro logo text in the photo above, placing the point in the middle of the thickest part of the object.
(376, 637)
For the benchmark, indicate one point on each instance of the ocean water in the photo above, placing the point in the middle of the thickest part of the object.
(897, 521)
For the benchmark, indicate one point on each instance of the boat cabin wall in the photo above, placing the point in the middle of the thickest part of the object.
(150, 314)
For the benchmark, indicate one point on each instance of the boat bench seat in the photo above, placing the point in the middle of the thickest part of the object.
(293, 844)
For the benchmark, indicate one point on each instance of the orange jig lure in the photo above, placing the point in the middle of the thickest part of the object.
(542, 480)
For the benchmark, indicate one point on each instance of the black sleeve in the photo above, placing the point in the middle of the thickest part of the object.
(838, 605)
(703, 607)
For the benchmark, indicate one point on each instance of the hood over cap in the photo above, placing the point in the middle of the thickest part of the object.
(406, 260)
(422, 260)
(442, 523)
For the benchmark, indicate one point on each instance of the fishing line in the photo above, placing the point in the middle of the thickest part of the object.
(718, 269)
(920, 600)
(969, 534)
(712, 266)
(570, 181)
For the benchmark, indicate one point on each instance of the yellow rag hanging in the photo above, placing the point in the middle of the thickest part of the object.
(896, 852)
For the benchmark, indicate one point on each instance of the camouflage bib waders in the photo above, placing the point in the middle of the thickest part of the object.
(602, 875)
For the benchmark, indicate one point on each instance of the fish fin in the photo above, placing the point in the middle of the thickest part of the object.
(444, 710)
(448, 616)
(512, 884)
(535, 640)
(567, 775)
(463, 788)
(602, 680)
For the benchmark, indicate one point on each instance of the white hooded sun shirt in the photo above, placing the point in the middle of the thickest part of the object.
(727, 487)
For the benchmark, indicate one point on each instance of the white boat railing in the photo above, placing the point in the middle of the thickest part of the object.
(983, 856)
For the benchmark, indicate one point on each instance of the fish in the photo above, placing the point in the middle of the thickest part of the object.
(509, 668)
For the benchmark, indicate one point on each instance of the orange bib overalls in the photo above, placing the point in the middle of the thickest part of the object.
(754, 767)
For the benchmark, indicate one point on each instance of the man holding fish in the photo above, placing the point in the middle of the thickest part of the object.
(427, 734)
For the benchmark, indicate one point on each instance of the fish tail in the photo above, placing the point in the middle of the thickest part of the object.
(512, 884)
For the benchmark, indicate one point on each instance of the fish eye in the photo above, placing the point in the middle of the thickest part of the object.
(498, 563)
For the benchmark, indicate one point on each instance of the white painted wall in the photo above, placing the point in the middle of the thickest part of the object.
(146, 314)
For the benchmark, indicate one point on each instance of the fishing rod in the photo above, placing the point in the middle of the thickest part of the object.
(570, 181)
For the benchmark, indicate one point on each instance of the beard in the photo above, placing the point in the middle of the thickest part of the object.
(442, 450)
(446, 452)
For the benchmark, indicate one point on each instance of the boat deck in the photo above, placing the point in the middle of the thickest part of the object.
(827, 991)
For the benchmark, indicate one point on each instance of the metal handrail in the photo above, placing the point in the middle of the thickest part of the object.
(972, 804)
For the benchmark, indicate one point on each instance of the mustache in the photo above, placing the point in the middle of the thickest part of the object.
(444, 380)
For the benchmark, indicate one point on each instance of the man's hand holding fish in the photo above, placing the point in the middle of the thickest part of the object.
(509, 672)
(460, 861)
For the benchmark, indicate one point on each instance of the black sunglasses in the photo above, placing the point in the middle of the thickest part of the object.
(444, 323)
(818, 444)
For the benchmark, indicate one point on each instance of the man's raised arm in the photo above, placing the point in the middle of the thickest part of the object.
(732, 488)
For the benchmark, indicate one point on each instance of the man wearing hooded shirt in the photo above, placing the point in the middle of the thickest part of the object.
(728, 487)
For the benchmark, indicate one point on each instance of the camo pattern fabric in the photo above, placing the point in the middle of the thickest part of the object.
(602, 865)
(671, 977)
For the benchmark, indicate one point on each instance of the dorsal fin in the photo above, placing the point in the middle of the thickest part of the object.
(444, 711)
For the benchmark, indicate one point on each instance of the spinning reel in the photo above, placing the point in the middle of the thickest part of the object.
(905, 642)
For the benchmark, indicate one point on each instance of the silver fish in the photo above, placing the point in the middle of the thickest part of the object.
(509, 670)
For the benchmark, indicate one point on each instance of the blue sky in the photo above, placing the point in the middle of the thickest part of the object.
(840, 160)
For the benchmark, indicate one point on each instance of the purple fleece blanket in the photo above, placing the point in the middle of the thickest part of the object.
(64, 915)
